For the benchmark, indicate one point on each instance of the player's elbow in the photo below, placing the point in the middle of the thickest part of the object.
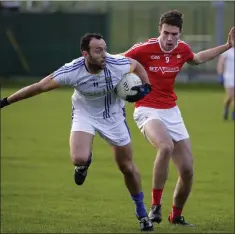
(196, 60)
(47, 84)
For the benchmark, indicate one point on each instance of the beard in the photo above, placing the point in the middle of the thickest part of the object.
(93, 65)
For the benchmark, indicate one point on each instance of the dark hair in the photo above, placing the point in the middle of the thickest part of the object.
(173, 18)
(85, 40)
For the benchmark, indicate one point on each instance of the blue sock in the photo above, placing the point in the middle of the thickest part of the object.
(140, 208)
(233, 115)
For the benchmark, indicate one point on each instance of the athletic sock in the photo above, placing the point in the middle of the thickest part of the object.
(156, 196)
(175, 212)
(140, 207)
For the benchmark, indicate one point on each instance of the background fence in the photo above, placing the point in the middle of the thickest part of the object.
(38, 40)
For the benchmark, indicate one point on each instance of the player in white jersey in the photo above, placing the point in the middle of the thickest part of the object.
(225, 69)
(96, 108)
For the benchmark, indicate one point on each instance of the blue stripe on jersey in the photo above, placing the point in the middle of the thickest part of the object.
(109, 81)
(64, 72)
(110, 100)
(77, 62)
(126, 63)
(70, 67)
(106, 105)
(118, 62)
(65, 69)
(105, 100)
(105, 113)
(117, 59)
(124, 111)
(108, 97)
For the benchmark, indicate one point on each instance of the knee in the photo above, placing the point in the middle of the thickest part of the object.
(127, 168)
(186, 172)
(166, 149)
(79, 158)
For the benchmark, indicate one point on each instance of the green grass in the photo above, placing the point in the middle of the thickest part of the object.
(38, 194)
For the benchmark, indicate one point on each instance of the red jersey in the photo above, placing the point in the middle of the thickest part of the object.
(162, 68)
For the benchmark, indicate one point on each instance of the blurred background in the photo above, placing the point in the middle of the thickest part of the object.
(37, 37)
(38, 193)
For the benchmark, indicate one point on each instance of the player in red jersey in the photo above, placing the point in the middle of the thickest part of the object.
(158, 116)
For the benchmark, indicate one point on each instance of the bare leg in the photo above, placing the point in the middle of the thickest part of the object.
(123, 157)
(80, 151)
(183, 159)
(158, 135)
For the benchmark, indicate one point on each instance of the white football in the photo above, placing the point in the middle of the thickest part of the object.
(127, 82)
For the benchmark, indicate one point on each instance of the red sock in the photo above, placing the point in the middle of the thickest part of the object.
(175, 212)
(156, 196)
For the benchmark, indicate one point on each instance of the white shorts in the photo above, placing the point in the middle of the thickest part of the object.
(114, 129)
(170, 117)
(228, 82)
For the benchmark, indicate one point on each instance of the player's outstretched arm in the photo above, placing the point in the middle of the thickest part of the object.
(206, 55)
(44, 85)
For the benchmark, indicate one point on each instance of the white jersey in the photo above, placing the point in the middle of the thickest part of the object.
(229, 64)
(94, 93)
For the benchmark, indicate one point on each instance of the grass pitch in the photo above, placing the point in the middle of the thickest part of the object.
(38, 194)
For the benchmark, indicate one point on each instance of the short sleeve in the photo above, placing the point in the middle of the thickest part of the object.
(189, 53)
(66, 74)
(133, 51)
(119, 62)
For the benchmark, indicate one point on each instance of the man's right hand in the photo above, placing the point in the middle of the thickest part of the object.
(4, 102)
(142, 90)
